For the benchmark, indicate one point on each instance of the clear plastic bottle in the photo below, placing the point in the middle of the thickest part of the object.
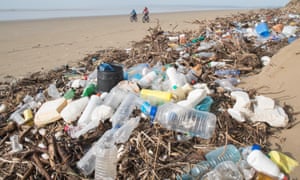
(123, 133)
(227, 72)
(114, 98)
(215, 157)
(106, 163)
(228, 84)
(87, 163)
(147, 80)
(224, 170)
(124, 111)
(53, 91)
(187, 120)
(194, 74)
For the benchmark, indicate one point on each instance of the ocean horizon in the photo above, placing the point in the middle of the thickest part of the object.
(38, 14)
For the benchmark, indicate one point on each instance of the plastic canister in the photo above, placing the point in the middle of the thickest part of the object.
(107, 78)
(260, 162)
(156, 97)
(262, 29)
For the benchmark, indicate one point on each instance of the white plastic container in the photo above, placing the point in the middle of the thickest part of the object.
(260, 162)
(73, 110)
(194, 98)
(49, 112)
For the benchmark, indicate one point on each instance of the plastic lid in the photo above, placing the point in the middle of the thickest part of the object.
(255, 147)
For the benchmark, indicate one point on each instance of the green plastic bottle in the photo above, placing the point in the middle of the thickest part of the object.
(89, 90)
(69, 94)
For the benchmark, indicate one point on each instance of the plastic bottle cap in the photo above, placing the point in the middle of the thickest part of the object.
(255, 147)
(153, 113)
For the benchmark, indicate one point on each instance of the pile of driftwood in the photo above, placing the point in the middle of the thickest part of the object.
(152, 152)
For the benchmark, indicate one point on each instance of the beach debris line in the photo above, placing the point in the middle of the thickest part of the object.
(187, 72)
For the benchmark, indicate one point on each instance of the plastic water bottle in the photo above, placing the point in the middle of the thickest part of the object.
(106, 163)
(123, 133)
(224, 170)
(53, 91)
(187, 120)
(114, 98)
(87, 163)
(227, 72)
(213, 158)
(147, 80)
(194, 74)
(228, 84)
(124, 111)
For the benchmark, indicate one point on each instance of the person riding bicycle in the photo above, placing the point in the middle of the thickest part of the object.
(133, 13)
(146, 11)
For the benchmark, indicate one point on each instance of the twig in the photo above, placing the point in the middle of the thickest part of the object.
(39, 167)
(14, 161)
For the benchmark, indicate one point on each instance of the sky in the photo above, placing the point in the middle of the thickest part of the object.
(95, 4)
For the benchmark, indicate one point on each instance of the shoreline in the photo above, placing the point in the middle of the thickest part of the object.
(41, 45)
(216, 11)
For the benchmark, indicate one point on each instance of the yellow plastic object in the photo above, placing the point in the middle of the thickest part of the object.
(28, 115)
(156, 97)
(285, 163)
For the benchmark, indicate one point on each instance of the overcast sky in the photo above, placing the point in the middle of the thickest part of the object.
(69, 4)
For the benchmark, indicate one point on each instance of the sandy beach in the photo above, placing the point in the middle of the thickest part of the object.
(41, 45)
(38, 45)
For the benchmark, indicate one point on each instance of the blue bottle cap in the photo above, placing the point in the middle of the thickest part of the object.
(255, 147)
(153, 113)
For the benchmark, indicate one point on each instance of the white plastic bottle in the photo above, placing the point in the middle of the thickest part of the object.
(261, 163)
(175, 78)
(85, 118)
(73, 110)
(187, 120)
